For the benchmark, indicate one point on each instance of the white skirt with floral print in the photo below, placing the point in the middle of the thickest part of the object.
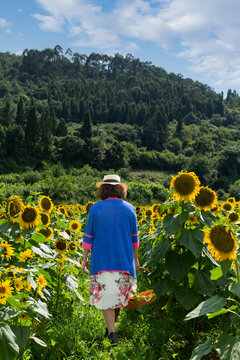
(111, 289)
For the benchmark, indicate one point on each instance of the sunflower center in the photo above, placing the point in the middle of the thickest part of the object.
(221, 239)
(61, 244)
(45, 232)
(184, 184)
(46, 204)
(204, 198)
(44, 218)
(74, 226)
(14, 208)
(227, 206)
(72, 247)
(29, 215)
(233, 217)
(3, 290)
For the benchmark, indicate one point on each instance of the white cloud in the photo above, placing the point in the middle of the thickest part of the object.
(6, 25)
(206, 32)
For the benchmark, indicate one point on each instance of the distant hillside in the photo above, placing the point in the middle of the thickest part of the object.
(114, 112)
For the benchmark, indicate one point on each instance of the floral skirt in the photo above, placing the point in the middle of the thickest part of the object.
(111, 290)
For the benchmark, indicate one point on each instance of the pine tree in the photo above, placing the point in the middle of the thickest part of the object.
(20, 117)
(32, 129)
(45, 131)
(6, 114)
(62, 128)
(86, 129)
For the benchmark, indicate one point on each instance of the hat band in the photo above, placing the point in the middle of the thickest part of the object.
(112, 181)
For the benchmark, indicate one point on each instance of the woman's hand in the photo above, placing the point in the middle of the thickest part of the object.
(85, 265)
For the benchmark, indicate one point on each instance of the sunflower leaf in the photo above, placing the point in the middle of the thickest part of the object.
(178, 265)
(234, 287)
(208, 306)
(171, 224)
(192, 240)
(22, 334)
(201, 350)
(228, 347)
(9, 348)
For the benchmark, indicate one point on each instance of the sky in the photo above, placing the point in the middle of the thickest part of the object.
(196, 38)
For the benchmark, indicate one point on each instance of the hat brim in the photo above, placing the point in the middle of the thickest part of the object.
(99, 184)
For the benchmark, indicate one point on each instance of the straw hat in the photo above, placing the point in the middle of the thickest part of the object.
(112, 180)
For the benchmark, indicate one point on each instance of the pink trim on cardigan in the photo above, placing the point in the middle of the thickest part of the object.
(90, 236)
(135, 234)
(86, 245)
(112, 198)
(126, 272)
(136, 245)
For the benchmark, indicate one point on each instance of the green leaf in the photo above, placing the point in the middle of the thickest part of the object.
(72, 283)
(14, 302)
(203, 284)
(178, 265)
(8, 313)
(44, 252)
(159, 251)
(234, 287)
(9, 348)
(222, 311)
(183, 217)
(187, 297)
(39, 238)
(226, 266)
(171, 224)
(201, 350)
(216, 273)
(38, 341)
(228, 347)
(39, 307)
(22, 334)
(164, 286)
(192, 240)
(208, 306)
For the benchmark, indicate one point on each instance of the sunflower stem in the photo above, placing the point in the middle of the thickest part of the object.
(237, 269)
(58, 290)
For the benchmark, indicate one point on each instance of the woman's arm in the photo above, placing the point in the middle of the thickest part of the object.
(135, 254)
(85, 260)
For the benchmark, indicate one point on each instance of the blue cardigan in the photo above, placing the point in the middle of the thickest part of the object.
(111, 233)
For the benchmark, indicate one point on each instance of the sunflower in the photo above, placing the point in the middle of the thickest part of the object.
(233, 217)
(88, 206)
(15, 207)
(155, 208)
(30, 217)
(45, 204)
(74, 225)
(62, 210)
(192, 219)
(227, 206)
(41, 282)
(24, 316)
(72, 247)
(48, 232)
(186, 186)
(27, 285)
(148, 212)
(60, 245)
(206, 199)
(45, 218)
(231, 200)
(221, 242)
(24, 255)
(68, 231)
(6, 250)
(5, 291)
(18, 283)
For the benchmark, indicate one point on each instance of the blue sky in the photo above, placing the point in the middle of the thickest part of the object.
(197, 38)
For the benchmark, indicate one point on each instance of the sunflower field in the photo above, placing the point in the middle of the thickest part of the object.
(190, 244)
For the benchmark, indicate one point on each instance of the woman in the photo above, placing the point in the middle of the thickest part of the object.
(112, 236)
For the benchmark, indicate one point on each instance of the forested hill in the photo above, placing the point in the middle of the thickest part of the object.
(154, 119)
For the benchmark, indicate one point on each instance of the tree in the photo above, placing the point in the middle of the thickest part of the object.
(20, 117)
(32, 130)
(45, 130)
(6, 114)
(15, 141)
(86, 129)
(62, 128)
